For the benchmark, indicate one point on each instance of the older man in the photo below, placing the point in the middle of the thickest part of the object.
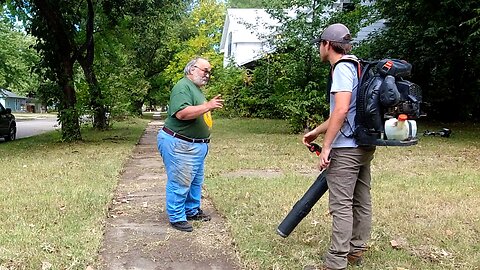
(183, 144)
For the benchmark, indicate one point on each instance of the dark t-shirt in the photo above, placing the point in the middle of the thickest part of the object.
(185, 93)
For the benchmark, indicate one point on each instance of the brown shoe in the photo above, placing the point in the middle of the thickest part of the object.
(355, 258)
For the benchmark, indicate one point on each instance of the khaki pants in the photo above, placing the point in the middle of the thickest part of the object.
(350, 204)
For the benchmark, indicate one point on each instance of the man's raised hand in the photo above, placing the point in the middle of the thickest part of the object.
(215, 103)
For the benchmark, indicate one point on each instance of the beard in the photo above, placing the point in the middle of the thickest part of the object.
(200, 80)
(323, 58)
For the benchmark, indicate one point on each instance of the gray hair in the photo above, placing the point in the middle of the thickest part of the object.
(192, 63)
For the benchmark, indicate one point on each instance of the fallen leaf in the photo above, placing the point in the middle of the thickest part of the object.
(46, 266)
(394, 244)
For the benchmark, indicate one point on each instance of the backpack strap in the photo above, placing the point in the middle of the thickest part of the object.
(348, 59)
(358, 64)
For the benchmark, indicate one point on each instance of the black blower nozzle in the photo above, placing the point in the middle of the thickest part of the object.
(303, 206)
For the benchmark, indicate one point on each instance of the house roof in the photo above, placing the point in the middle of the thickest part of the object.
(248, 26)
(7, 94)
(247, 20)
(251, 27)
(368, 30)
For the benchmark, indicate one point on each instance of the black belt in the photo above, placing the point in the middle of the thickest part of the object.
(185, 138)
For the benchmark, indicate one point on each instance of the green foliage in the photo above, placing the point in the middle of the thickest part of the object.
(17, 59)
(231, 82)
(205, 23)
(68, 116)
(475, 23)
(290, 84)
(443, 49)
(248, 3)
(305, 111)
(138, 42)
(55, 26)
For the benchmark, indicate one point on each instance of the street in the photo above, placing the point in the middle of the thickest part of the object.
(32, 127)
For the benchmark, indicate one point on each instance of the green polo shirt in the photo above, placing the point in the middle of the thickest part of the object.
(185, 93)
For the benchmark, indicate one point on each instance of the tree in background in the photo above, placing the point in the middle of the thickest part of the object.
(249, 4)
(55, 27)
(440, 38)
(17, 58)
(148, 33)
(85, 58)
(291, 83)
(204, 26)
(65, 34)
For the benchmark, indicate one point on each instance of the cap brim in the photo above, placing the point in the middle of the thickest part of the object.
(315, 40)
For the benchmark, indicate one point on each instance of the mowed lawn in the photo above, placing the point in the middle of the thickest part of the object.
(426, 198)
(54, 196)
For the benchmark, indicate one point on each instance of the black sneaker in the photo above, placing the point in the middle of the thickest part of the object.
(182, 226)
(200, 216)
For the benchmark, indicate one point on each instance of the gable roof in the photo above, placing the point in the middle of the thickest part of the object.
(365, 32)
(249, 29)
(7, 94)
(245, 32)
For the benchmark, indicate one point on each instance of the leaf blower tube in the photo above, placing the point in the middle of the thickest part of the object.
(305, 204)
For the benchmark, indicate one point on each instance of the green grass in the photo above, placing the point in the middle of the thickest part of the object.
(54, 196)
(425, 197)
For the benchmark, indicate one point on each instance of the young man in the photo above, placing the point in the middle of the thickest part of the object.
(347, 164)
(183, 144)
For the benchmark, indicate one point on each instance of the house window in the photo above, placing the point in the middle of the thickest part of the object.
(229, 46)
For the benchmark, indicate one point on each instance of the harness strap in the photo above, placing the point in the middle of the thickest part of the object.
(330, 79)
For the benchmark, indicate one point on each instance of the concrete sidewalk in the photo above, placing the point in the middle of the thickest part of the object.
(137, 232)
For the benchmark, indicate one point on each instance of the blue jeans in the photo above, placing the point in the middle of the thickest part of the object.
(184, 163)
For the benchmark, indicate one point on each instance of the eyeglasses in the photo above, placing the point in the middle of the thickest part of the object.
(206, 71)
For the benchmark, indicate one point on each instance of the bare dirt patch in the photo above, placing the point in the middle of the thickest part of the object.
(254, 173)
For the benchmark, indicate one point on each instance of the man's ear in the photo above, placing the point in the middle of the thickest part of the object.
(327, 43)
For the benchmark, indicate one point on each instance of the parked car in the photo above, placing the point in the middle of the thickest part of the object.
(8, 126)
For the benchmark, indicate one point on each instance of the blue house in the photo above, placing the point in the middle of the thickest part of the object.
(13, 101)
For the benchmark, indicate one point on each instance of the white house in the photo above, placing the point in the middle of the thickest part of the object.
(245, 31)
(243, 34)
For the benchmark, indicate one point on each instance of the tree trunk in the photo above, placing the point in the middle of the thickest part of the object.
(68, 114)
(96, 98)
(64, 49)
(137, 107)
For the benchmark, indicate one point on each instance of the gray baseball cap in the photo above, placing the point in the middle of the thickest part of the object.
(336, 32)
